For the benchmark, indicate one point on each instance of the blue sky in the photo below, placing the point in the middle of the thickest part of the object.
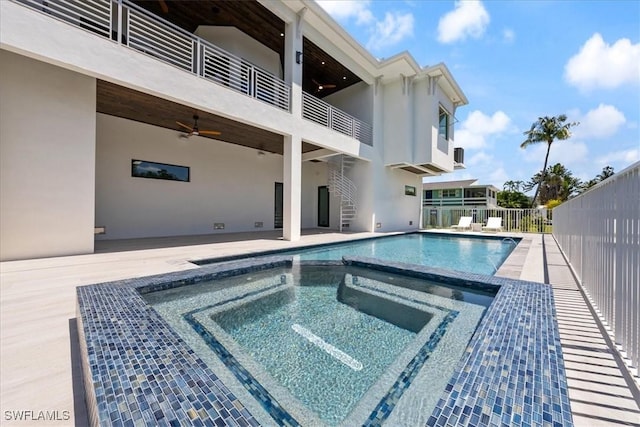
(517, 61)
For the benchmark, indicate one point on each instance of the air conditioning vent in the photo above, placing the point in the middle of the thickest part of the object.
(458, 155)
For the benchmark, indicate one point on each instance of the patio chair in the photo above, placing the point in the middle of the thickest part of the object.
(463, 224)
(494, 223)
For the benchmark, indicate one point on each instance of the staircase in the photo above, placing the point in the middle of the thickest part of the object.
(342, 187)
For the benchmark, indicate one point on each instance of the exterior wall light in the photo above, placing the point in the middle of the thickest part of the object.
(298, 57)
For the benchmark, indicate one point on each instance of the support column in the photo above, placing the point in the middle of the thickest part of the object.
(292, 187)
(293, 59)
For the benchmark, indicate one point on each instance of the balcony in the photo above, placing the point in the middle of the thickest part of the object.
(132, 26)
(325, 114)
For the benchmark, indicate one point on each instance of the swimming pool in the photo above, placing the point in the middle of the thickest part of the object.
(138, 371)
(482, 255)
(328, 342)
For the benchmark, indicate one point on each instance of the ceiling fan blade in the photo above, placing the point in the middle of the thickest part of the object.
(316, 82)
(209, 132)
(185, 126)
(163, 6)
(328, 86)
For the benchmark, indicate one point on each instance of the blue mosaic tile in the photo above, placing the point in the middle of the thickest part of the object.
(515, 354)
(139, 372)
(135, 364)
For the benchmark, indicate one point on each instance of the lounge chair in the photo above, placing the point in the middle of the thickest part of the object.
(463, 224)
(494, 223)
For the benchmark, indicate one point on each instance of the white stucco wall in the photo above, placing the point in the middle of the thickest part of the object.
(398, 124)
(238, 43)
(394, 210)
(229, 184)
(47, 166)
(356, 100)
(429, 146)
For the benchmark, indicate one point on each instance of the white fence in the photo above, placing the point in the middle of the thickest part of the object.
(599, 232)
(513, 220)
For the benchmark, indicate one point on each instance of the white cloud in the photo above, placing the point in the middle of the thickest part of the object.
(568, 152)
(480, 158)
(599, 64)
(478, 126)
(395, 26)
(468, 19)
(498, 177)
(508, 35)
(345, 9)
(601, 122)
(623, 158)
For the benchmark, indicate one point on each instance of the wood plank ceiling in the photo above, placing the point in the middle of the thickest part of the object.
(253, 19)
(141, 107)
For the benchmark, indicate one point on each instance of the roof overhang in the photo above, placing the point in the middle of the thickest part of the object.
(426, 169)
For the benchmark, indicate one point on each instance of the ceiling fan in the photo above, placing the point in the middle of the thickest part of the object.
(322, 86)
(194, 130)
(163, 6)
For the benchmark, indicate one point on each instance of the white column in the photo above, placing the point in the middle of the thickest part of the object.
(292, 55)
(292, 187)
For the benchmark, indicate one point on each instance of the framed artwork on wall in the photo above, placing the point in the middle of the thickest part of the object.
(146, 169)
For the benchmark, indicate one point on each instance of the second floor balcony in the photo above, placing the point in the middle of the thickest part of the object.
(136, 26)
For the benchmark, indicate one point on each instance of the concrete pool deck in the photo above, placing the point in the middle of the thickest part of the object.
(39, 351)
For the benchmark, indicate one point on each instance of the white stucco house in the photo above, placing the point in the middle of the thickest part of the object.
(99, 137)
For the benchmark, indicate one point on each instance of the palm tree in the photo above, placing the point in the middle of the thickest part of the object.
(607, 172)
(547, 129)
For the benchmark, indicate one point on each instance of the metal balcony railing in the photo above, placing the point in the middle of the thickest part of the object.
(327, 115)
(127, 24)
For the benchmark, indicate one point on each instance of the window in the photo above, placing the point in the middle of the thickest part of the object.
(448, 193)
(428, 194)
(444, 120)
(475, 193)
(409, 190)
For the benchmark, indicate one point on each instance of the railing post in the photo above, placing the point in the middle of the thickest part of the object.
(119, 22)
(252, 82)
(199, 59)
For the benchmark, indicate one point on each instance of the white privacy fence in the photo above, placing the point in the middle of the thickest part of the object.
(127, 24)
(599, 233)
(513, 220)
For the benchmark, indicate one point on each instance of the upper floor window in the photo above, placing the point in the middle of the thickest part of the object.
(475, 193)
(444, 121)
(448, 193)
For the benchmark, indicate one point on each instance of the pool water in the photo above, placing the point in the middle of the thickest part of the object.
(329, 342)
(482, 255)
(469, 254)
